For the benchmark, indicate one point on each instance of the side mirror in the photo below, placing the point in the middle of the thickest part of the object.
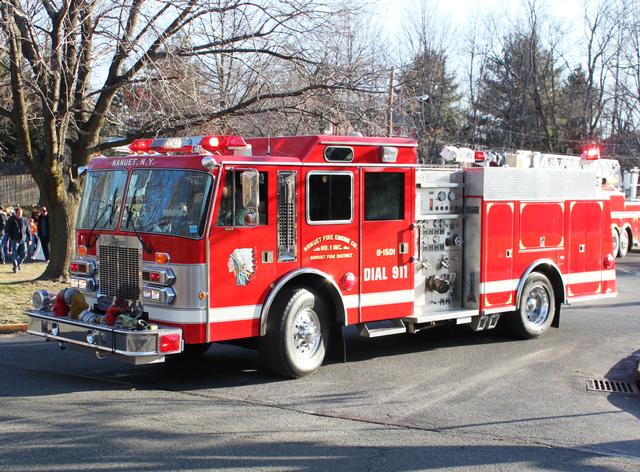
(250, 190)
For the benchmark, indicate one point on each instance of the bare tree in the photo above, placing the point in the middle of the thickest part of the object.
(71, 63)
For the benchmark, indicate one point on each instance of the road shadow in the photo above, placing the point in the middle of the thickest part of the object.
(75, 444)
(48, 371)
(625, 370)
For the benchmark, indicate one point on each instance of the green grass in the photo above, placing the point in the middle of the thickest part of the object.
(16, 290)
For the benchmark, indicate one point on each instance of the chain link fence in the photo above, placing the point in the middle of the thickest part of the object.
(19, 189)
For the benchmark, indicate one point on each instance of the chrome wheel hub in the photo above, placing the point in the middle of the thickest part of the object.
(537, 306)
(306, 333)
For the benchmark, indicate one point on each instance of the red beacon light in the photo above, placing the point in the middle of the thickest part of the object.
(192, 144)
(141, 145)
(220, 143)
(480, 156)
(591, 153)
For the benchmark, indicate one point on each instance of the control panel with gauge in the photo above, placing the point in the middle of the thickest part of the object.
(439, 238)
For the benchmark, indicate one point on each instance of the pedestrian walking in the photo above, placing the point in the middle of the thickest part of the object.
(43, 232)
(19, 237)
(3, 235)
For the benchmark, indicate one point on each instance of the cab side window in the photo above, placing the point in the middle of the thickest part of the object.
(232, 211)
(329, 198)
(383, 196)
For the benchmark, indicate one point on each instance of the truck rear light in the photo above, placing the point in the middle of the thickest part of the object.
(154, 277)
(608, 261)
(74, 267)
(82, 250)
(169, 343)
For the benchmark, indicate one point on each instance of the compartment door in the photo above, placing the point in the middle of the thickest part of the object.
(585, 249)
(497, 286)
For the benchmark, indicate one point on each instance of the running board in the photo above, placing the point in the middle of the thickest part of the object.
(397, 327)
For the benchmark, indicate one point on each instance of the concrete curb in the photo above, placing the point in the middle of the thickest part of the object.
(13, 328)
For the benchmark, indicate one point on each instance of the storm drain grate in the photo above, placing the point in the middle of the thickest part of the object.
(612, 386)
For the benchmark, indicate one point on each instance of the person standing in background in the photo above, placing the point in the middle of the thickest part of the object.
(43, 232)
(3, 235)
(19, 237)
(34, 238)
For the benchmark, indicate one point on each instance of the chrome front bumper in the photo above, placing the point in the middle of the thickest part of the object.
(134, 347)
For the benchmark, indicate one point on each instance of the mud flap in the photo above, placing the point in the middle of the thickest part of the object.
(337, 346)
(556, 319)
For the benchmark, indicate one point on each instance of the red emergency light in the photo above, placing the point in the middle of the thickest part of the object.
(191, 144)
(591, 153)
(480, 156)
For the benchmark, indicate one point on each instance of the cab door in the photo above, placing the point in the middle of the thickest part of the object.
(241, 254)
(386, 244)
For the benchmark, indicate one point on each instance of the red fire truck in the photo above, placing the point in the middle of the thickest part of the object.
(190, 241)
(624, 205)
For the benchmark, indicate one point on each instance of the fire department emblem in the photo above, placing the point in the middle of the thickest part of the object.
(242, 263)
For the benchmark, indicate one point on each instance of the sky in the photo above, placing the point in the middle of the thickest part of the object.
(462, 11)
(459, 15)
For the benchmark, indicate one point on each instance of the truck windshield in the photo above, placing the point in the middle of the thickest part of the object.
(101, 200)
(167, 202)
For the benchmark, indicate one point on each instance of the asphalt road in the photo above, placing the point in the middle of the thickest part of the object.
(444, 398)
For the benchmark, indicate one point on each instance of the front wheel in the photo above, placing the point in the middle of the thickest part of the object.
(624, 243)
(536, 309)
(297, 334)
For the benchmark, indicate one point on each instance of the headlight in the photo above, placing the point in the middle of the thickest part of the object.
(87, 284)
(158, 294)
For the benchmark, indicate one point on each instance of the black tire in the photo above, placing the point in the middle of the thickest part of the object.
(615, 242)
(297, 334)
(536, 310)
(624, 243)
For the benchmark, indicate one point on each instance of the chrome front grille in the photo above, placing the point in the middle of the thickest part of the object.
(119, 271)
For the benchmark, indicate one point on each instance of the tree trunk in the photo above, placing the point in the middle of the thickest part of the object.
(62, 223)
(62, 205)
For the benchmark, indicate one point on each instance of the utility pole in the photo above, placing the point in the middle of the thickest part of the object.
(390, 104)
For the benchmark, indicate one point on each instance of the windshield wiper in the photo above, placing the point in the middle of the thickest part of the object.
(109, 206)
(134, 226)
(138, 234)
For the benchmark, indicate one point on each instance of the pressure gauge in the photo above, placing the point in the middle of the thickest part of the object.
(442, 196)
(452, 195)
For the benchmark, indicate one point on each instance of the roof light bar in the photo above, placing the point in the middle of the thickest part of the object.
(190, 144)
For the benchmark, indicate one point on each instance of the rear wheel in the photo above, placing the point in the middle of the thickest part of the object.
(536, 310)
(624, 243)
(297, 334)
(615, 240)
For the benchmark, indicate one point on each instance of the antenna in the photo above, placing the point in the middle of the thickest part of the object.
(269, 145)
